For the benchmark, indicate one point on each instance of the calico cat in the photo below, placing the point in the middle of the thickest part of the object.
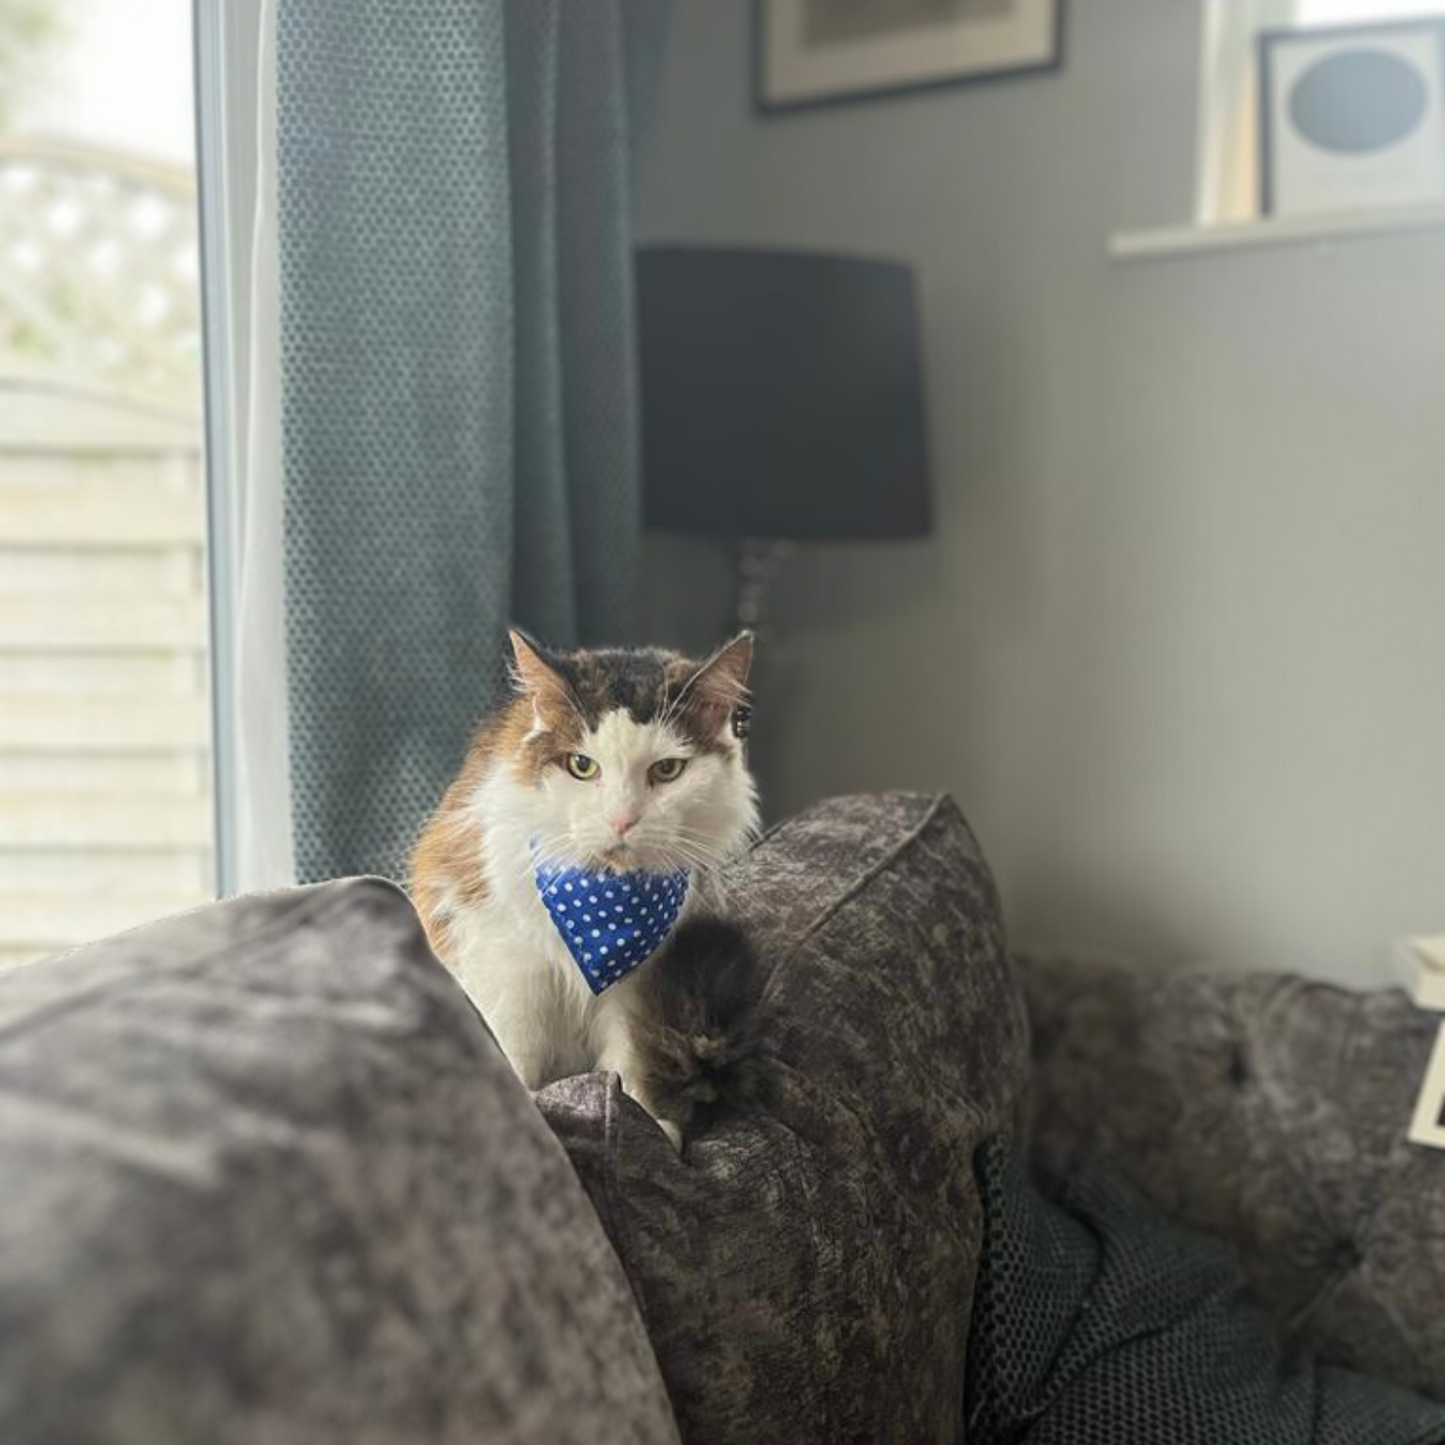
(580, 841)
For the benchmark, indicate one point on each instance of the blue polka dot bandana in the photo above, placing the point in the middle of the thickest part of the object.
(610, 922)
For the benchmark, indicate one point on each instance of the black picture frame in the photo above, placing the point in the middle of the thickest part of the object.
(767, 107)
(1267, 40)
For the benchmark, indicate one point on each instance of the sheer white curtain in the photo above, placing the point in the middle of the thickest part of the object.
(263, 825)
(1348, 12)
(1227, 170)
(240, 189)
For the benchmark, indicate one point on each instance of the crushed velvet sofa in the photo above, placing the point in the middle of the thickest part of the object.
(268, 1179)
(1269, 1112)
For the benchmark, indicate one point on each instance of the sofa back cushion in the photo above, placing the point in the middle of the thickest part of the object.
(806, 1270)
(268, 1179)
(1270, 1112)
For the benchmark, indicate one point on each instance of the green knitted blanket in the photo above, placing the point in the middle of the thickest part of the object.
(1096, 1322)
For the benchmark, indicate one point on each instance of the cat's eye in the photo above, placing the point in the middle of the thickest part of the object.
(583, 768)
(668, 770)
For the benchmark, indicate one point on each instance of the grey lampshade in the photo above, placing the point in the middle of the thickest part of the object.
(782, 395)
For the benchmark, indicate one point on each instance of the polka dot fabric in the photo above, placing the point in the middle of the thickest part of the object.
(611, 922)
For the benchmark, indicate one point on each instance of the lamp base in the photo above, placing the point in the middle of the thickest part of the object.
(757, 563)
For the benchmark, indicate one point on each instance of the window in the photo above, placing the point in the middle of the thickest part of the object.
(105, 812)
(1228, 170)
(1350, 12)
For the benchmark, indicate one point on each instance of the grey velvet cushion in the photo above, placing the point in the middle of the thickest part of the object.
(268, 1180)
(1270, 1112)
(806, 1272)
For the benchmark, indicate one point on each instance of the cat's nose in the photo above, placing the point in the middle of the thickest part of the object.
(624, 823)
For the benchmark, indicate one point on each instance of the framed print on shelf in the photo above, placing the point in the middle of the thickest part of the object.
(1352, 117)
(815, 52)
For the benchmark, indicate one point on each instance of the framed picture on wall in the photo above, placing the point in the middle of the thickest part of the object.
(814, 52)
(1352, 117)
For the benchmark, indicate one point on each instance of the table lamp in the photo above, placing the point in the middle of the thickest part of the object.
(782, 401)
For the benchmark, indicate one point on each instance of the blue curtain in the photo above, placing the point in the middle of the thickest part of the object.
(459, 399)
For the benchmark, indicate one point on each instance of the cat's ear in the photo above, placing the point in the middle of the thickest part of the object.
(723, 678)
(531, 671)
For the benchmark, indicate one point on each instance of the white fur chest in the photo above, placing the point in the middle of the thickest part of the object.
(515, 966)
(508, 956)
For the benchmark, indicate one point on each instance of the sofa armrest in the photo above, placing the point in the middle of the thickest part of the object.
(1270, 1112)
(269, 1181)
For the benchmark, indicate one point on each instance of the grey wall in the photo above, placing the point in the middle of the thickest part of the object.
(1179, 645)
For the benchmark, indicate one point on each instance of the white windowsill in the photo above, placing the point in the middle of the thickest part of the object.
(1164, 242)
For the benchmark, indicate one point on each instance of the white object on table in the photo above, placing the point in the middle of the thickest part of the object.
(1428, 1125)
(1420, 964)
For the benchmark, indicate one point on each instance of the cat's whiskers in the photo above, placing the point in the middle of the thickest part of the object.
(688, 853)
(558, 688)
(664, 845)
(691, 861)
(683, 830)
(547, 854)
(692, 856)
(672, 709)
(557, 859)
(706, 840)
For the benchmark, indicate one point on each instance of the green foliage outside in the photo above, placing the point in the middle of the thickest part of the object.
(28, 31)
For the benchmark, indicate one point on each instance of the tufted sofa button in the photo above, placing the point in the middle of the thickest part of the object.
(1348, 1257)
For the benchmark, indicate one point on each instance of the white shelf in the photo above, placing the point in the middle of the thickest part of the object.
(1165, 242)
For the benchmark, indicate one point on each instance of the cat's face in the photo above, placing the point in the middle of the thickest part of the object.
(630, 759)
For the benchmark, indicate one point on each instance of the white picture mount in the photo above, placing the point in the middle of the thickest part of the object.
(1420, 964)
(1428, 1124)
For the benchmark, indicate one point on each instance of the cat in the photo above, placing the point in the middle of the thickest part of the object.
(621, 773)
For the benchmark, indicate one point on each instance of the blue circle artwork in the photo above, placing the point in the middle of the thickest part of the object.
(1357, 101)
